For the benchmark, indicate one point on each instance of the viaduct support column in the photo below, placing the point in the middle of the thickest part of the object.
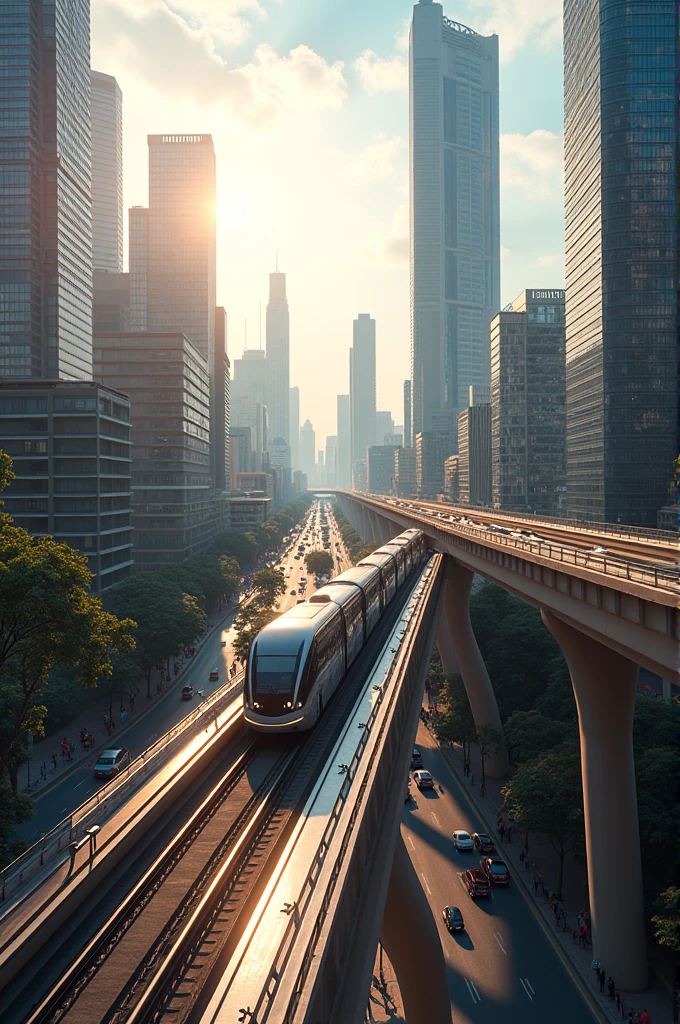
(384, 529)
(446, 649)
(408, 925)
(455, 614)
(375, 527)
(604, 685)
(365, 530)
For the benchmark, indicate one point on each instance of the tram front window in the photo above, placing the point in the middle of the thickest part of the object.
(274, 675)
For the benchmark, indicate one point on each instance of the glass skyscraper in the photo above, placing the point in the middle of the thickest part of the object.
(107, 173)
(278, 357)
(45, 206)
(455, 211)
(621, 251)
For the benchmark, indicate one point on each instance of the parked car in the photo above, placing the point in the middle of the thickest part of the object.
(416, 758)
(111, 762)
(483, 842)
(462, 840)
(214, 675)
(495, 870)
(453, 919)
(477, 884)
(187, 692)
(423, 780)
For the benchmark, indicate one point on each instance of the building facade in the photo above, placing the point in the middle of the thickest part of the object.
(332, 460)
(405, 473)
(621, 220)
(248, 399)
(278, 358)
(452, 478)
(107, 173)
(474, 454)
(45, 205)
(221, 455)
(308, 452)
(362, 374)
(344, 458)
(528, 423)
(433, 447)
(175, 514)
(110, 302)
(384, 426)
(294, 426)
(455, 210)
(381, 468)
(407, 414)
(71, 446)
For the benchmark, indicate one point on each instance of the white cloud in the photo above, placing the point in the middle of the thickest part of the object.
(379, 160)
(381, 74)
(520, 23)
(396, 248)
(533, 164)
(505, 253)
(179, 62)
(222, 19)
(554, 260)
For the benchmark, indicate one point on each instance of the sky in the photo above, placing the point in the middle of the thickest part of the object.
(307, 103)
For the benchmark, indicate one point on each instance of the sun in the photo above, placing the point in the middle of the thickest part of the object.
(232, 211)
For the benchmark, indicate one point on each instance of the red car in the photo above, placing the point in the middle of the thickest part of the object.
(495, 870)
(187, 692)
(483, 842)
(477, 884)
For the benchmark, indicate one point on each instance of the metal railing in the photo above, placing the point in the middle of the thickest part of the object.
(114, 793)
(660, 577)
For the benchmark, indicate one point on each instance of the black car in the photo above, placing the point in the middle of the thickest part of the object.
(416, 758)
(453, 919)
(483, 842)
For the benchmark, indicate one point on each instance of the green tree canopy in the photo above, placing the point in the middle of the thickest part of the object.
(248, 623)
(530, 734)
(268, 585)
(319, 562)
(545, 795)
(667, 920)
(455, 721)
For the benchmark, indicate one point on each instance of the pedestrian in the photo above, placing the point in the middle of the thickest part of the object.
(123, 714)
(521, 857)
(472, 780)
(54, 762)
(501, 832)
(611, 987)
(583, 936)
(536, 884)
(645, 1018)
(601, 977)
(617, 997)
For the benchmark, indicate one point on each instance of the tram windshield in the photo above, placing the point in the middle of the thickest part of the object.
(274, 674)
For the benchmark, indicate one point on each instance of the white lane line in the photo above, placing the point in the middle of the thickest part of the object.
(426, 885)
(436, 820)
(62, 811)
(472, 989)
(527, 988)
(411, 843)
(499, 940)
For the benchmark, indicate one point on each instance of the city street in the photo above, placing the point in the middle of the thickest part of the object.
(502, 966)
(76, 786)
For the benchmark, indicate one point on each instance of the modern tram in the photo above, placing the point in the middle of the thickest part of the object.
(298, 661)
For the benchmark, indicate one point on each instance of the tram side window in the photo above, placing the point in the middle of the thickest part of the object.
(326, 643)
(372, 591)
(353, 613)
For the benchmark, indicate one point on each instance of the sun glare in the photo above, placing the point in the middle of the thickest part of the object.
(232, 211)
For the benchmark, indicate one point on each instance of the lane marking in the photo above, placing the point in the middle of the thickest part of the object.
(426, 885)
(526, 986)
(436, 820)
(472, 989)
(411, 842)
(499, 940)
(80, 784)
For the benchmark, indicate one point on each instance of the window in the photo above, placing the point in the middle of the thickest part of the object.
(75, 404)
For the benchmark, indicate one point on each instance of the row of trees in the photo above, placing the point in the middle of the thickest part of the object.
(532, 685)
(351, 539)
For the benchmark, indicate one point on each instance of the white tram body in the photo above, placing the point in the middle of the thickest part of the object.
(297, 662)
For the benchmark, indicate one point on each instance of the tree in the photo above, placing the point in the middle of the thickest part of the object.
(489, 741)
(530, 734)
(15, 809)
(230, 572)
(667, 921)
(319, 562)
(455, 721)
(545, 795)
(268, 586)
(167, 619)
(48, 617)
(248, 623)
(362, 552)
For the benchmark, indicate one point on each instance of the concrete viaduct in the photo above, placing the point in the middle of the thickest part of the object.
(607, 622)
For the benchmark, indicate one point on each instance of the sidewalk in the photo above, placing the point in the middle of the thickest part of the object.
(539, 876)
(38, 774)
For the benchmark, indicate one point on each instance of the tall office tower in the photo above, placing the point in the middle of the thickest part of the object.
(332, 460)
(433, 447)
(107, 173)
(344, 459)
(248, 399)
(528, 403)
(405, 472)
(278, 357)
(452, 475)
(362, 387)
(407, 414)
(138, 237)
(455, 210)
(620, 146)
(294, 426)
(45, 207)
(220, 442)
(110, 302)
(308, 452)
(380, 468)
(473, 468)
(384, 426)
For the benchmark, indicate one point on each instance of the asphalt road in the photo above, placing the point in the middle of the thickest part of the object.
(74, 788)
(502, 967)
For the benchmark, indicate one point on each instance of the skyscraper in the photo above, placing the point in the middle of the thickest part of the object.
(344, 457)
(308, 452)
(407, 414)
(220, 442)
(294, 426)
(138, 236)
(45, 207)
(107, 173)
(248, 399)
(278, 357)
(621, 220)
(455, 210)
(362, 387)
(384, 426)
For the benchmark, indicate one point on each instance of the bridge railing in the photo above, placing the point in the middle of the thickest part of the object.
(661, 577)
(114, 793)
